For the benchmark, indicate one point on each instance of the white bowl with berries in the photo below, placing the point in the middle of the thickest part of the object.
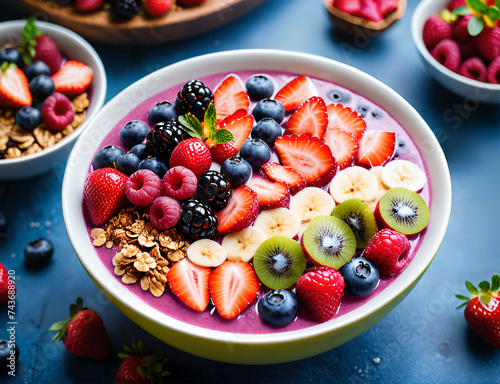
(256, 206)
(460, 47)
(53, 83)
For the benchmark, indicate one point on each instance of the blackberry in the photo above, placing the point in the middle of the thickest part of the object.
(194, 97)
(125, 9)
(214, 188)
(197, 219)
(163, 138)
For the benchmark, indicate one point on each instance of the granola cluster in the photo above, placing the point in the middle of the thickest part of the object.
(146, 254)
(16, 142)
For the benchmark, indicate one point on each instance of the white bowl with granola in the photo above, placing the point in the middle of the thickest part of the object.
(24, 153)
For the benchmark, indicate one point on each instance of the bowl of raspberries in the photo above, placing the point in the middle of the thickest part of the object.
(459, 42)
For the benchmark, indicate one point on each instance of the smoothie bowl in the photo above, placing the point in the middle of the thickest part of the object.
(199, 286)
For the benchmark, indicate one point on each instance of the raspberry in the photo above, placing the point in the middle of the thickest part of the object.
(143, 187)
(493, 73)
(389, 250)
(459, 31)
(473, 68)
(447, 52)
(57, 112)
(468, 49)
(179, 183)
(192, 154)
(435, 30)
(454, 4)
(165, 213)
(488, 43)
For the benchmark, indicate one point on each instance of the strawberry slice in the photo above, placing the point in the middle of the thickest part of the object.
(376, 148)
(293, 94)
(229, 97)
(271, 194)
(343, 145)
(386, 7)
(352, 7)
(189, 282)
(309, 156)
(232, 118)
(340, 117)
(14, 87)
(240, 212)
(311, 118)
(233, 286)
(240, 127)
(370, 11)
(288, 175)
(73, 78)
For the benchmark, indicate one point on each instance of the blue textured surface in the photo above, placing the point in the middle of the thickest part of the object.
(424, 340)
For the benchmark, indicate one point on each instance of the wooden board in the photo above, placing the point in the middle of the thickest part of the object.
(177, 24)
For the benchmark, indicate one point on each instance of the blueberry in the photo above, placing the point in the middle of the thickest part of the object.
(259, 87)
(134, 132)
(362, 110)
(3, 226)
(339, 96)
(269, 108)
(38, 253)
(37, 104)
(35, 69)
(141, 150)
(106, 157)
(8, 356)
(155, 165)
(256, 152)
(11, 55)
(236, 170)
(278, 307)
(28, 118)
(361, 276)
(41, 87)
(163, 111)
(377, 114)
(267, 130)
(127, 163)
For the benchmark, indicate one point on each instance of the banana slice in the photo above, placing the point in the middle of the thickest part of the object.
(311, 202)
(243, 244)
(403, 173)
(382, 188)
(354, 182)
(207, 253)
(278, 222)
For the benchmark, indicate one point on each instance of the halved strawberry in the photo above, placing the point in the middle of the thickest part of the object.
(14, 87)
(240, 212)
(351, 7)
(189, 282)
(285, 174)
(370, 11)
(293, 94)
(229, 97)
(222, 152)
(232, 118)
(309, 156)
(311, 118)
(73, 78)
(386, 7)
(271, 194)
(376, 148)
(233, 286)
(343, 145)
(240, 127)
(340, 117)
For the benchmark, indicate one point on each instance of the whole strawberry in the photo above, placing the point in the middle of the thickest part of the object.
(482, 311)
(157, 7)
(6, 285)
(137, 367)
(83, 334)
(321, 288)
(389, 250)
(192, 154)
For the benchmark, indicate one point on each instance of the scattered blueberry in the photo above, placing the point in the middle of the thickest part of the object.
(155, 165)
(401, 143)
(28, 118)
(236, 170)
(106, 157)
(35, 69)
(3, 226)
(339, 96)
(134, 132)
(361, 276)
(127, 163)
(267, 130)
(141, 150)
(377, 114)
(278, 307)
(362, 110)
(256, 152)
(269, 108)
(259, 87)
(11, 55)
(8, 356)
(163, 111)
(41, 87)
(38, 253)
(37, 104)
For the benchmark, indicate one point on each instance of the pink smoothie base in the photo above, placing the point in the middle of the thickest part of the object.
(249, 321)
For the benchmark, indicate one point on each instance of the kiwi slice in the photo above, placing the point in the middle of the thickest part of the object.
(402, 210)
(359, 217)
(328, 241)
(279, 262)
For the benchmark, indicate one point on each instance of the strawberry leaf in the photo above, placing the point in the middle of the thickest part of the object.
(473, 290)
(475, 26)
(477, 5)
(484, 286)
(191, 125)
(495, 283)
(222, 136)
(462, 10)
(462, 297)
(461, 305)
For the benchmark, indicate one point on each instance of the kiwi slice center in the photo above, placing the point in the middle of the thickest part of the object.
(404, 212)
(280, 263)
(356, 223)
(331, 243)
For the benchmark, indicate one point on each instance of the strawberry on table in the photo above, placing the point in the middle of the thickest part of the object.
(343, 145)
(88, 5)
(311, 118)
(376, 148)
(84, 333)
(288, 175)
(157, 7)
(229, 97)
(240, 212)
(73, 78)
(344, 118)
(14, 87)
(6, 284)
(293, 94)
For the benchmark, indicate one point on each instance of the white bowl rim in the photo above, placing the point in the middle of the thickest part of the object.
(417, 25)
(97, 99)
(73, 217)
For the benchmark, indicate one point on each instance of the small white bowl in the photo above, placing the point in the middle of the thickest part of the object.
(472, 90)
(76, 48)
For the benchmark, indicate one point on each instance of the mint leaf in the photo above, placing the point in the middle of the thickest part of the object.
(493, 13)
(497, 4)
(222, 136)
(477, 5)
(28, 42)
(210, 116)
(462, 10)
(475, 26)
(191, 125)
